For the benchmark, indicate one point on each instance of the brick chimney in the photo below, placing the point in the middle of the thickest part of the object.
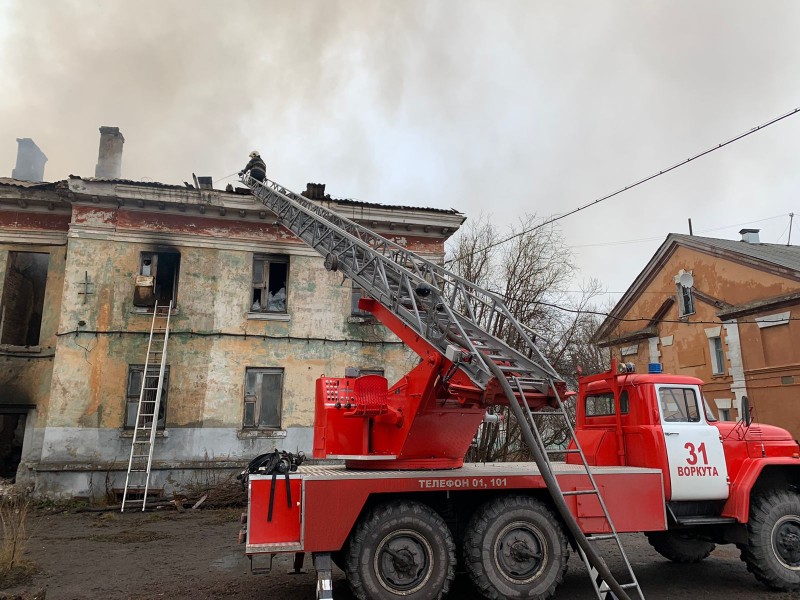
(109, 159)
(30, 161)
(750, 236)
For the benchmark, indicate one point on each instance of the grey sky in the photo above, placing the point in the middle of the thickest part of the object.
(489, 107)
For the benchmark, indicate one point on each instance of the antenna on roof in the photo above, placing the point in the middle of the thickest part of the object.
(791, 218)
(690, 226)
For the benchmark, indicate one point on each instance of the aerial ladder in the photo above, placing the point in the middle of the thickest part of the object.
(468, 327)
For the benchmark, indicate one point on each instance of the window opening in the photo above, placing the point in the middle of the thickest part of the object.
(362, 372)
(270, 282)
(134, 388)
(158, 279)
(263, 398)
(356, 294)
(679, 405)
(598, 405)
(717, 356)
(12, 433)
(23, 298)
(686, 300)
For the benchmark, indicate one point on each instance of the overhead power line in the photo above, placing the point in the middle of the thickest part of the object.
(643, 180)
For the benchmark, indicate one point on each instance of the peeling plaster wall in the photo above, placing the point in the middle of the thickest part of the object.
(213, 341)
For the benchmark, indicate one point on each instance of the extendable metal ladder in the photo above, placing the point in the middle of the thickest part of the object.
(137, 481)
(449, 312)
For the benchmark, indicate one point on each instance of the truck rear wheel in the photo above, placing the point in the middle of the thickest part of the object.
(773, 550)
(678, 547)
(514, 547)
(401, 550)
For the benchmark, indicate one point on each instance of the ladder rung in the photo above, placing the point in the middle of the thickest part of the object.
(627, 586)
(573, 451)
(600, 537)
(578, 492)
(513, 369)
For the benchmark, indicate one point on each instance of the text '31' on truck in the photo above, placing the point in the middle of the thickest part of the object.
(645, 453)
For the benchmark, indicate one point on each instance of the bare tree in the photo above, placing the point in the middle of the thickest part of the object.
(532, 273)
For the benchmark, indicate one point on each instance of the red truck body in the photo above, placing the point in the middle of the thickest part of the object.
(646, 454)
(328, 500)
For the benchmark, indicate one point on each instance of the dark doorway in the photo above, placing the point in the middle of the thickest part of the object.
(12, 434)
(23, 298)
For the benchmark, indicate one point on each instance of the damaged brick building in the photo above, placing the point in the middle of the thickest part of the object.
(256, 319)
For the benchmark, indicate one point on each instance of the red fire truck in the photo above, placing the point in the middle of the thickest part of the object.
(401, 507)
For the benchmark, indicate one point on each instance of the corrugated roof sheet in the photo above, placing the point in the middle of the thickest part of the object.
(777, 254)
(154, 184)
(347, 202)
(26, 184)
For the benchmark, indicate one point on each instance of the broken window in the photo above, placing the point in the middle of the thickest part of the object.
(356, 295)
(685, 300)
(270, 281)
(23, 298)
(134, 390)
(158, 279)
(12, 434)
(263, 397)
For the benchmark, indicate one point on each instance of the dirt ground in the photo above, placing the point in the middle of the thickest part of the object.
(195, 555)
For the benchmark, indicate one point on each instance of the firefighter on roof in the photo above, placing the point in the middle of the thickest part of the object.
(256, 166)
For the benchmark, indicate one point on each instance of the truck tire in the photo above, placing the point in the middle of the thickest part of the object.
(679, 548)
(401, 550)
(772, 553)
(514, 547)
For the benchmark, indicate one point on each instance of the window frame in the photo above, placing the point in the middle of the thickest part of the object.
(267, 261)
(154, 255)
(356, 293)
(698, 416)
(258, 403)
(624, 402)
(686, 303)
(369, 371)
(133, 398)
(717, 351)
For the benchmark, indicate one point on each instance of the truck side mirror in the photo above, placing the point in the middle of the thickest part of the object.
(746, 411)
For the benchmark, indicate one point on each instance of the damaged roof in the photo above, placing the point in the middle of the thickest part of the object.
(327, 198)
(26, 184)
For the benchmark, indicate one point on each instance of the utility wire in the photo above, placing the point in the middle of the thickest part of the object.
(643, 180)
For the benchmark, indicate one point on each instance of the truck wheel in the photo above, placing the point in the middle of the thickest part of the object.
(773, 550)
(401, 550)
(679, 548)
(514, 547)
